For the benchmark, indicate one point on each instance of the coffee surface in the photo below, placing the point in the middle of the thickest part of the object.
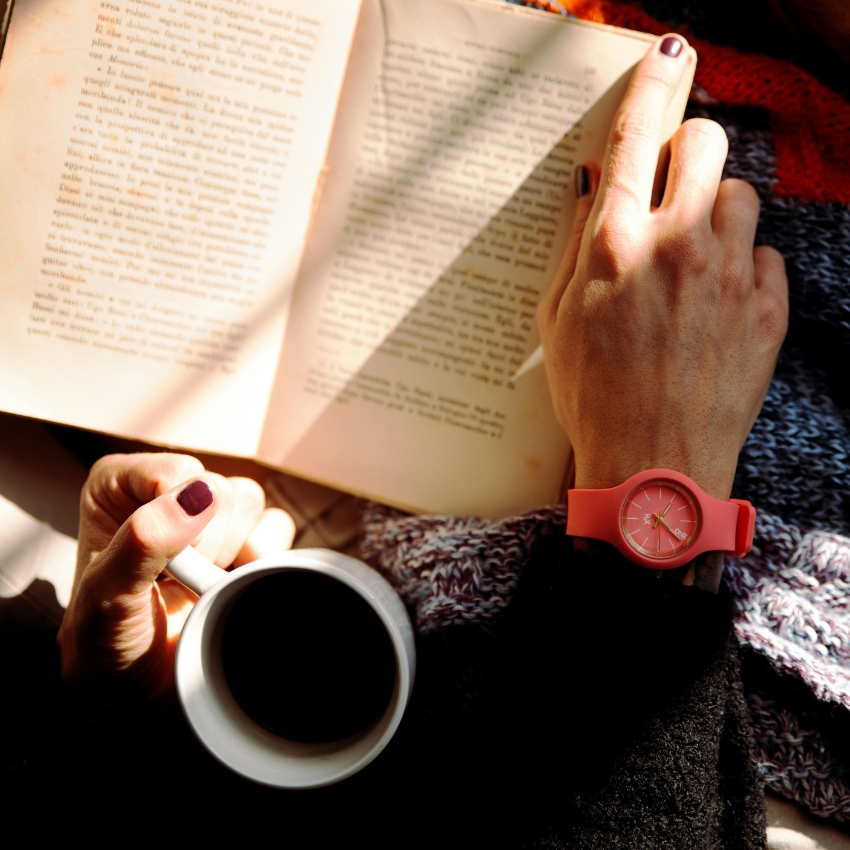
(307, 658)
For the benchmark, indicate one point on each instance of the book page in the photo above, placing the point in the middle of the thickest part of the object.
(444, 217)
(159, 159)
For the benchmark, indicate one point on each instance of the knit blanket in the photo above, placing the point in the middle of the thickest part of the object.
(789, 135)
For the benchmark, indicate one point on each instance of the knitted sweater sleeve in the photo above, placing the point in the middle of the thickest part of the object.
(624, 692)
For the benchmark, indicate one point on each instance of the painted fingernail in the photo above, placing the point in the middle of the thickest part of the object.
(582, 181)
(671, 46)
(196, 498)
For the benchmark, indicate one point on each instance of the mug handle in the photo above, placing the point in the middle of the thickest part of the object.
(192, 569)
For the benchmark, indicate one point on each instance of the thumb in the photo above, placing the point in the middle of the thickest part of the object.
(152, 536)
(586, 180)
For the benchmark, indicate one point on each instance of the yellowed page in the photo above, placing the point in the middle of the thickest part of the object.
(158, 161)
(444, 216)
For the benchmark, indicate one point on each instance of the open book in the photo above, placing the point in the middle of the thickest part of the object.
(309, 232)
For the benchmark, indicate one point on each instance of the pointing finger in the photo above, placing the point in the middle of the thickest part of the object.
(628, 171)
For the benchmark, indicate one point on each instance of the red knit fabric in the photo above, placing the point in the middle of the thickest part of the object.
(810, 123)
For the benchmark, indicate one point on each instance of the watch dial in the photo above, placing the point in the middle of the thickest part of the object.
(660, 519)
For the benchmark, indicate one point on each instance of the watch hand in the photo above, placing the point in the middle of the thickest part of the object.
(667, 527)
(664, 512)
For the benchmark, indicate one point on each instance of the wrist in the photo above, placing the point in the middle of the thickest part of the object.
(602, 473)
(704, 572)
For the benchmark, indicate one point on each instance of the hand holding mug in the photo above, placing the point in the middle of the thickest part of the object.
(136, 513)
(294, 670)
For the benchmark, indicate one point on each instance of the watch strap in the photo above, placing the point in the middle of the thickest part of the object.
(726, 526)
(745, 529)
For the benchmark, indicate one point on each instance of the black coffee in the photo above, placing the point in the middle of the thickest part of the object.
(307, 657)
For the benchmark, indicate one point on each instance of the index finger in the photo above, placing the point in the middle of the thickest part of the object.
(628, 171)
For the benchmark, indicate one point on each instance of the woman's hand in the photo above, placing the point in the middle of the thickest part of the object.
(663, 327)
(136, 513)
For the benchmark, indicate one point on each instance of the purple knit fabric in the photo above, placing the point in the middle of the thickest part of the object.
(452, 569)
(791, 591)
(791, 595)
(791, 598)
(796, 762)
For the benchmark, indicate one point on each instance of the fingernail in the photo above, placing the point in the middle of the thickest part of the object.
(671, 46)
(582, 181)
(196, 498)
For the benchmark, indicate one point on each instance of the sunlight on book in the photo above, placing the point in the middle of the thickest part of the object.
(310, 233)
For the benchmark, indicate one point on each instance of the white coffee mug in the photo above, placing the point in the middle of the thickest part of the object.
(216, 717)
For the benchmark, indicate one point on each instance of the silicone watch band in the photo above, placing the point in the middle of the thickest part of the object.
(723, 526)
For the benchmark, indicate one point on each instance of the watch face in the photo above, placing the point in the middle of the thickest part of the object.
(660, 519)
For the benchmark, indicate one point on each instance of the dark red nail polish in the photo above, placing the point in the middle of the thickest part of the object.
(671, 46)
(196, 498)
(582, 181)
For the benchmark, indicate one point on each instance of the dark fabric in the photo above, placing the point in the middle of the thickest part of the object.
(646, 727)
(603, 709)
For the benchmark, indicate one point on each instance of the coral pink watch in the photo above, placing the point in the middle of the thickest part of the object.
(661, 519)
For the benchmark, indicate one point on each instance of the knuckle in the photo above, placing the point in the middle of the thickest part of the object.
(628, 198)
(104, 463)
(742, 189)
(612, 232)
(101, 482)
(89, 506)
(736, 273)
(741, 194)
(612, 246)
(146, 533)
(685, 248)
(777, 258)
(632, 124)
(773, 319)
(771, 273)
(104, 471)
(654, 82)
(705, 130)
